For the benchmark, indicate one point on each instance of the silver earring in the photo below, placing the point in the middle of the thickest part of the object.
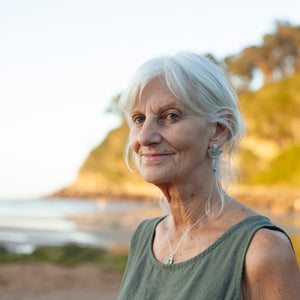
(214, 152)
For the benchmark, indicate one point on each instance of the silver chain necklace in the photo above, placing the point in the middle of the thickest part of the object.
(169, 261)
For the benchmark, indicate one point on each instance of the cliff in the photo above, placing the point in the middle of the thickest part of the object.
(105, 174)
(269, 156)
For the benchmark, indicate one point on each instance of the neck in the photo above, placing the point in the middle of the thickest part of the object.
(187, 204)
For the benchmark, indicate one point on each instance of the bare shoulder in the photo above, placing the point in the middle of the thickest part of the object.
(271, 270)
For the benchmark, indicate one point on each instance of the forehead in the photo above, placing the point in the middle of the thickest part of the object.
(157, 94)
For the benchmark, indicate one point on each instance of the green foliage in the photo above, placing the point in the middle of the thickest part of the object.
(247, 160)
(273, 114)
(107, 158)
(271, 111)
(70, 255)
(277, 57)
(105, 167)
(284, 169)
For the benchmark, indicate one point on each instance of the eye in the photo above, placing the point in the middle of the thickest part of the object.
(172, 117)
(138, 119)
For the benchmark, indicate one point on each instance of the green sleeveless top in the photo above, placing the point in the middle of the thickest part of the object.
(215, 273)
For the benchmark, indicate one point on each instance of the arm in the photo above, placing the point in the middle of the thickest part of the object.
(271, 270)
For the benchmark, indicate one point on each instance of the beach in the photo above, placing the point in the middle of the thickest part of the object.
(25, 226)
(100, 224)
(53, 282)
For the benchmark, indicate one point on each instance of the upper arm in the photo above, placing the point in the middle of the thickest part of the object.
(271, 270)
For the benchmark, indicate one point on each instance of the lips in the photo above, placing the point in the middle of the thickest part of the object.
(154, 156)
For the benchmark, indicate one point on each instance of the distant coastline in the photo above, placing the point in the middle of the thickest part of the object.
(74, 193)
(278, 199)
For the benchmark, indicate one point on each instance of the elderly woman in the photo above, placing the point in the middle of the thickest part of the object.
(181, 113)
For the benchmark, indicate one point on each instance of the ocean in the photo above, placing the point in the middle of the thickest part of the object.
(27, 224)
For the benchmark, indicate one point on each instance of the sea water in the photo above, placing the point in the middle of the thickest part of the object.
(27, 224)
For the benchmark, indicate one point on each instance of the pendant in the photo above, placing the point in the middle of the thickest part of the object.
(169, 261)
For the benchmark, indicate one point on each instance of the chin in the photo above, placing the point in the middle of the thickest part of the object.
(156, 178)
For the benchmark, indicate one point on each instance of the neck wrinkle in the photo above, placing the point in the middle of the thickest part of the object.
(187, 201)
(186, 208)
(186, 216)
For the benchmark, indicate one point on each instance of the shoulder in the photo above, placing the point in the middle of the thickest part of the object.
(141, 238)
(271, 269)
(146, 227)
(270, 246)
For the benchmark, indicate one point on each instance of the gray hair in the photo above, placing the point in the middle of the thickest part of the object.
(201, 85)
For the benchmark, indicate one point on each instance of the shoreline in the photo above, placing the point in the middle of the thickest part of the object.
(108, 224)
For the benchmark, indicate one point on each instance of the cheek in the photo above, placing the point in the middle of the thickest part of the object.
(181, 139)
(193, 146)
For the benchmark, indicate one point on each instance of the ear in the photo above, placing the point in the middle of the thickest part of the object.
(220, 131)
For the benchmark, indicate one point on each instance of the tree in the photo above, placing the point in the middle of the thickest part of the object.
(277, 57)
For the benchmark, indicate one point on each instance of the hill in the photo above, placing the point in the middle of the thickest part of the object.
(269, 155)
(270, 150)
(105, 174)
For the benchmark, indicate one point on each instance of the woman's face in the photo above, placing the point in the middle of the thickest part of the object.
(169, 139)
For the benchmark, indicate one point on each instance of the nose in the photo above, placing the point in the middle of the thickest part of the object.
(149, 133)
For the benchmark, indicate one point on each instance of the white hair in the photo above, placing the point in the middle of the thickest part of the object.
(201, 85)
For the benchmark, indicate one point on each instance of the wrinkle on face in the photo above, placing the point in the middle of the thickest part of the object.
(186, 139)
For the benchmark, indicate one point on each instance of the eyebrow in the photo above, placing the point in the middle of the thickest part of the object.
(164, 107)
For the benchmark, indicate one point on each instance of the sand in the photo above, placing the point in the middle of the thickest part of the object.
(53, 282)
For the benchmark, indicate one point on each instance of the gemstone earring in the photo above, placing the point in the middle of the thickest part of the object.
(214, 152)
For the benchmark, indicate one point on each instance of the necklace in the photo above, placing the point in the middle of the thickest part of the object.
(169, 261)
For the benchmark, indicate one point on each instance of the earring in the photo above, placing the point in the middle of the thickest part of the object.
(214, 152)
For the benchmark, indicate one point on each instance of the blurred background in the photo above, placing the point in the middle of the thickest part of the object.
(66, 196)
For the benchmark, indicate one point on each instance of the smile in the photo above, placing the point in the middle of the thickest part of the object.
(154, 156)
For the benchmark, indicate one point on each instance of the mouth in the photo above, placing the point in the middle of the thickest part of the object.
(154, 156)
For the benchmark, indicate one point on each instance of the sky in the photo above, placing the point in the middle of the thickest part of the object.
(62, 61)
